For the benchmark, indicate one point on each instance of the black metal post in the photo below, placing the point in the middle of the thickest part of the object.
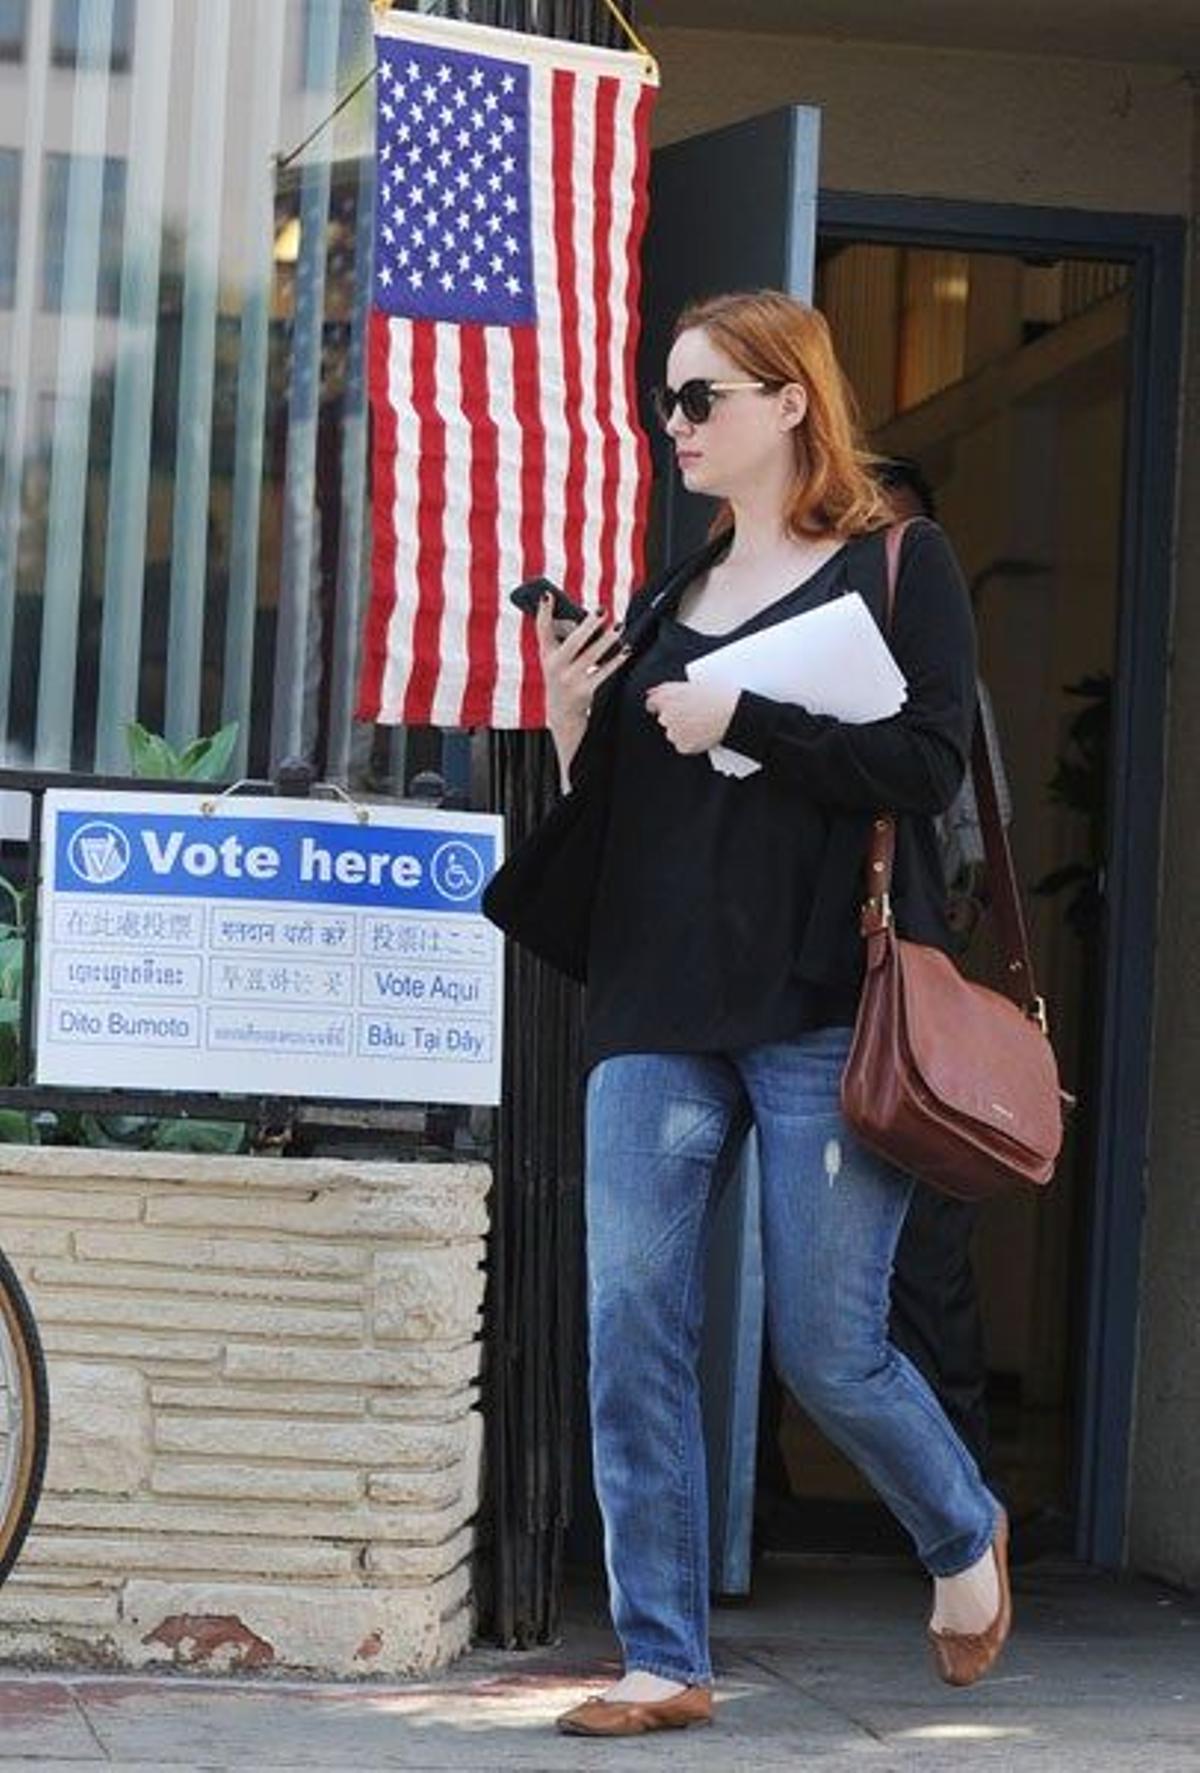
(33, 885)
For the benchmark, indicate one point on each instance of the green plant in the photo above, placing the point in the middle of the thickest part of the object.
(204, 760)
(147, 1132)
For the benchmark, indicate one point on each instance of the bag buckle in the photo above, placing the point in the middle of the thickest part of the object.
(879, 907)
(1038, 1014)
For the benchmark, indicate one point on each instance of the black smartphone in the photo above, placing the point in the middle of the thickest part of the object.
(528, 596)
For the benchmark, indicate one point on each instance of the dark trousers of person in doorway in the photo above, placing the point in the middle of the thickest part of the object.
(936, 1319)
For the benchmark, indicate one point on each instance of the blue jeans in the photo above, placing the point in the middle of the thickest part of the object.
(657, 1125)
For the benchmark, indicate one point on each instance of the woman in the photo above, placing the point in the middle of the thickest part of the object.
(724, 969)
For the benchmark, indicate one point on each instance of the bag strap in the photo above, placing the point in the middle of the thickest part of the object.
(1019, 981)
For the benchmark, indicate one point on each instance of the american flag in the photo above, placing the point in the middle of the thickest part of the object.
(510, 210)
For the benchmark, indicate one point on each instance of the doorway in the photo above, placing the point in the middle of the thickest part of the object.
(1002, 380)
(1109, 1272)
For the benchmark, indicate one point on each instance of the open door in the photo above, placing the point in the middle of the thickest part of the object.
(734, 209)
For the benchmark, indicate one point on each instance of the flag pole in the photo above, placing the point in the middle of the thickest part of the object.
(285, 160)
(648, 58)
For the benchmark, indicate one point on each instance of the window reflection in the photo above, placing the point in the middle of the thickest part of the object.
(12, 30)
(94, 419)
(10, 216)
(107, 296)
(65, 50)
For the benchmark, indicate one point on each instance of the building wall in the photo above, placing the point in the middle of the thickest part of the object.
(1011, 129)
(948, 123)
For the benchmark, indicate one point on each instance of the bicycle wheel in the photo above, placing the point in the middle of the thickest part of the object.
(24, 1417)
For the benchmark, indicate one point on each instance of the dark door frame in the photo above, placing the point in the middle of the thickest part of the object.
(1153, 246)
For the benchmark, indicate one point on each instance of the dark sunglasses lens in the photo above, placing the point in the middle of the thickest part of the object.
(696, 402)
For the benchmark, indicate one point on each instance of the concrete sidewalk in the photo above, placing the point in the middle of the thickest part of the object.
(827, 1664)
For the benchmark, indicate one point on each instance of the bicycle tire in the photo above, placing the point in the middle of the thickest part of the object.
(29, 1411)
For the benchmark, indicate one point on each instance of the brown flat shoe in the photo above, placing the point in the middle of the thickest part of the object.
(635, 1717)
(962, 1657)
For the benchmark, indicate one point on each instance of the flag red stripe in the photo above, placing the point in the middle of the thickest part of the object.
(527, 401)
(563, 130)
(383, 554)
(633, 300)
(602, 181)
(431, 540)
(482, 663)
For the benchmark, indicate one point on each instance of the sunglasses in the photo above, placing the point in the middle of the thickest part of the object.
(695, 398)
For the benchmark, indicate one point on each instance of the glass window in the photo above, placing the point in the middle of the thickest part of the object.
(324, 24)
(10, 216)
(65, 51)
(311, 23)
(108, 294)
(107, 548)
(12, 30)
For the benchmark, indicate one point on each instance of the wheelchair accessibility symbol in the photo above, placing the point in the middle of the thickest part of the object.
(457, 871)
(98, 853)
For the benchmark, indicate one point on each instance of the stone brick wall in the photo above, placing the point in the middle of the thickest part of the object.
(266, 1442)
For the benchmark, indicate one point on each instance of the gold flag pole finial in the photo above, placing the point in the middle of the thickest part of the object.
(649, 60)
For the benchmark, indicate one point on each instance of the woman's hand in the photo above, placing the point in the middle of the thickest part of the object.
(572, 674)
(694, 716)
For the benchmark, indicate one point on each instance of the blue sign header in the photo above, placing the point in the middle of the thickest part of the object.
(385, 867)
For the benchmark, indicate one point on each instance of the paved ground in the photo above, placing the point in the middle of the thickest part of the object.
(826, 1665)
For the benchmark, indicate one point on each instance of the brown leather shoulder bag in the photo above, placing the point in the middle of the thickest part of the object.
(951, 1081)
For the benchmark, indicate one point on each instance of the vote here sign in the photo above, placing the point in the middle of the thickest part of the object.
(263, 946)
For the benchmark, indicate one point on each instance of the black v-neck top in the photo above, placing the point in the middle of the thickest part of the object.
(708, 880)
(726, 910)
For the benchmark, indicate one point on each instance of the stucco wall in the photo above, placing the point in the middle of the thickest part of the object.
(265, 1447)
(1164, 1523)
(947, 123)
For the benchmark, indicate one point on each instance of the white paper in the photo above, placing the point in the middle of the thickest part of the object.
(829, 660)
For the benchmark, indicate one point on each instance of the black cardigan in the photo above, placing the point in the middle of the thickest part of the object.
(910, 765)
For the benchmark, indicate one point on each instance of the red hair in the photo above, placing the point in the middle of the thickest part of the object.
(776, 339)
